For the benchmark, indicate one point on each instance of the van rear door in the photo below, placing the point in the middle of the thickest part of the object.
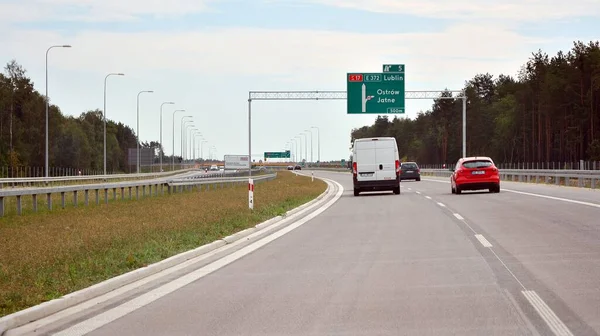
(366, 161)
(385, 154)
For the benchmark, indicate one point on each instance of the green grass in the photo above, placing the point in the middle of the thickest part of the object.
(49, 254)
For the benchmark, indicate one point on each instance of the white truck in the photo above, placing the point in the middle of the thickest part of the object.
(375, 165)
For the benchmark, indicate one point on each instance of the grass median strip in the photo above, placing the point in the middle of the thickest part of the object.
(46, 255)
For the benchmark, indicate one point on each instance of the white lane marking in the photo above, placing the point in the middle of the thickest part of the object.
(556, 325)
(409, 188)
(427, 197)
(459, 217)
(508, 269)
(483, 241)
(554, 198)
(111, 315)
(441, 204)
(595, 205)
(418, 192)
(438, 181)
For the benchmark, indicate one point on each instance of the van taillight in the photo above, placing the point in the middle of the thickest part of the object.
(397, 167)
(354, 169)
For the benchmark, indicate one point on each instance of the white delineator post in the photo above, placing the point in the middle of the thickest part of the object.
(312, 176)
(251, 193)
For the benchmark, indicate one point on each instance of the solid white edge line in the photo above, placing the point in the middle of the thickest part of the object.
(441, 204)
(108, 316)
(553, 322)
(483, 241)
(459, 217)
(554, 198)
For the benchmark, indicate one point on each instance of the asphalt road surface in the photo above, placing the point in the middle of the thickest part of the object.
(525, 261)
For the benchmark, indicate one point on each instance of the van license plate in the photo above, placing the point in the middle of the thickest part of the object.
(479, 172)
(366, 174)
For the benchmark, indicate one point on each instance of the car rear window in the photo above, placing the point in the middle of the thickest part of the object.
(409, 165)
(477, 164)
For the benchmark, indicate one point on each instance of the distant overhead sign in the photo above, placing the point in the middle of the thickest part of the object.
(278, 155)
(237, 162)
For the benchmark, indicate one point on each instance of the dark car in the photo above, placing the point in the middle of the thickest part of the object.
(410, 171)
(298, 167)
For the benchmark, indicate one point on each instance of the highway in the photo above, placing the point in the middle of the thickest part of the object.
(525, 261)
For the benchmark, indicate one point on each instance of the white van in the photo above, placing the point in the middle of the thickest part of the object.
(375, 165)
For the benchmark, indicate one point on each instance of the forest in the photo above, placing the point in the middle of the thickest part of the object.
(76, 143)
(549, 113)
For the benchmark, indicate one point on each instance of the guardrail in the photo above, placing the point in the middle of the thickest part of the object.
(30, 181)
(127, 189)
(576, 178)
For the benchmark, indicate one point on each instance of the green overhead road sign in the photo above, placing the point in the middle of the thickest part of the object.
(375, 93)
(278, 155)
(393, 68)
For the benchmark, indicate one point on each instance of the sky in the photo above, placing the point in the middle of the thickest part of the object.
(206, 55)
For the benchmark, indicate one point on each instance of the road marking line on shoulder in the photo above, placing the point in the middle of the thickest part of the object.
(595, 205)
(554, 323)
(113, 314)
(409, 188)
(427, 197)
(483, 241)
(458, 216)
(418, 192)
(441, 204)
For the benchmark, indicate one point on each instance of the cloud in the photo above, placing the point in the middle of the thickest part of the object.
(519, 10)
(96, 10)
(279, 53)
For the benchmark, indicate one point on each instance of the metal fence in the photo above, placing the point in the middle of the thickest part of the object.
(565, 177)
(123, 190)
(45, 181)
(581, 165)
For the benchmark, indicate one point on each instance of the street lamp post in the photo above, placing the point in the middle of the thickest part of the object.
(173, 158)
(48, 101)
(191, 149)
(295, 148)
(305, 145)
(202, 149)
(183, 121)
(197, 149)
(138, 127)
(184, 138)
(300, 146)
(161, 141)
(311, 145)
(104, 114)
(318, 143)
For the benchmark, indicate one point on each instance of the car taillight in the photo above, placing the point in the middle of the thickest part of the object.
(354, 168)
(419, 170)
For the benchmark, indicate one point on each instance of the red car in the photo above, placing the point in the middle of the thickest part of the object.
(475, 173)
